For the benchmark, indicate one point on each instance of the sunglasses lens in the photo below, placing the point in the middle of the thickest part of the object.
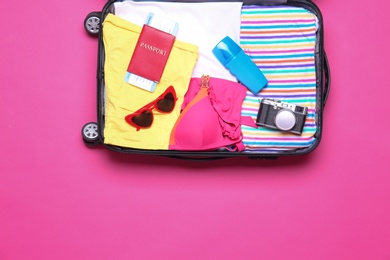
(167, 103)
(144, 119)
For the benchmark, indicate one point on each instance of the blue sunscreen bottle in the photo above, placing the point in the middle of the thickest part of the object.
(230, 55)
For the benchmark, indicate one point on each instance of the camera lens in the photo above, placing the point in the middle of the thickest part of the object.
(285, 120)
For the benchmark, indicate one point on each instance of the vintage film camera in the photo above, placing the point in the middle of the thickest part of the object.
(281, 115)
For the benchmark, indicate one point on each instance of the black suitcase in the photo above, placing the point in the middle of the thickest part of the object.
(298, 74)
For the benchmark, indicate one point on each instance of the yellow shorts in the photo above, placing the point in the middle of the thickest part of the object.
(120, 38)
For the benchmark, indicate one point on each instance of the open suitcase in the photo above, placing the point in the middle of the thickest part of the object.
(283, 38)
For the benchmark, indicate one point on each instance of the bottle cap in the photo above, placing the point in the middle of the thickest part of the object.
(226, 50)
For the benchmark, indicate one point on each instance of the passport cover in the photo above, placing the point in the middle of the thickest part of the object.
(151, 53)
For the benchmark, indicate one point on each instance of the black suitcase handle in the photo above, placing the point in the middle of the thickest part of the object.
(327, 80)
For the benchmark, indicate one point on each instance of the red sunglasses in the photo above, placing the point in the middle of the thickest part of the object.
(143, 117)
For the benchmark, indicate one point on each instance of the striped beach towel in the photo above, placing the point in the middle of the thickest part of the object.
(281, 41)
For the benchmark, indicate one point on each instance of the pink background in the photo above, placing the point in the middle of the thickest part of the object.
(61, 200)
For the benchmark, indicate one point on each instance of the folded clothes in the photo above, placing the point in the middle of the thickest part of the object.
(202, 24)
(211, 117)
(122, 99)
(281, 41)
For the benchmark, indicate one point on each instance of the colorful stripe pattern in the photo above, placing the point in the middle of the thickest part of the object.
(281, 41)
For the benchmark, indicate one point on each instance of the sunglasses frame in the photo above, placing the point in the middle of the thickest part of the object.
(150, 106)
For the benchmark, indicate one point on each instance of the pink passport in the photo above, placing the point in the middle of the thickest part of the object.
(151, 53)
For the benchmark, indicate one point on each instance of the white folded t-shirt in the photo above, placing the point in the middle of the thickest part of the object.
(202, 24)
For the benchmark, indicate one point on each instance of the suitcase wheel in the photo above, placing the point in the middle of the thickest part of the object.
(90, 134)
(92, 23)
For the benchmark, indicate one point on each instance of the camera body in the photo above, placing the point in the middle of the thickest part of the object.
(281, 115)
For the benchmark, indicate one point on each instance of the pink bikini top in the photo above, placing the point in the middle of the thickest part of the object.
(211, 116)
